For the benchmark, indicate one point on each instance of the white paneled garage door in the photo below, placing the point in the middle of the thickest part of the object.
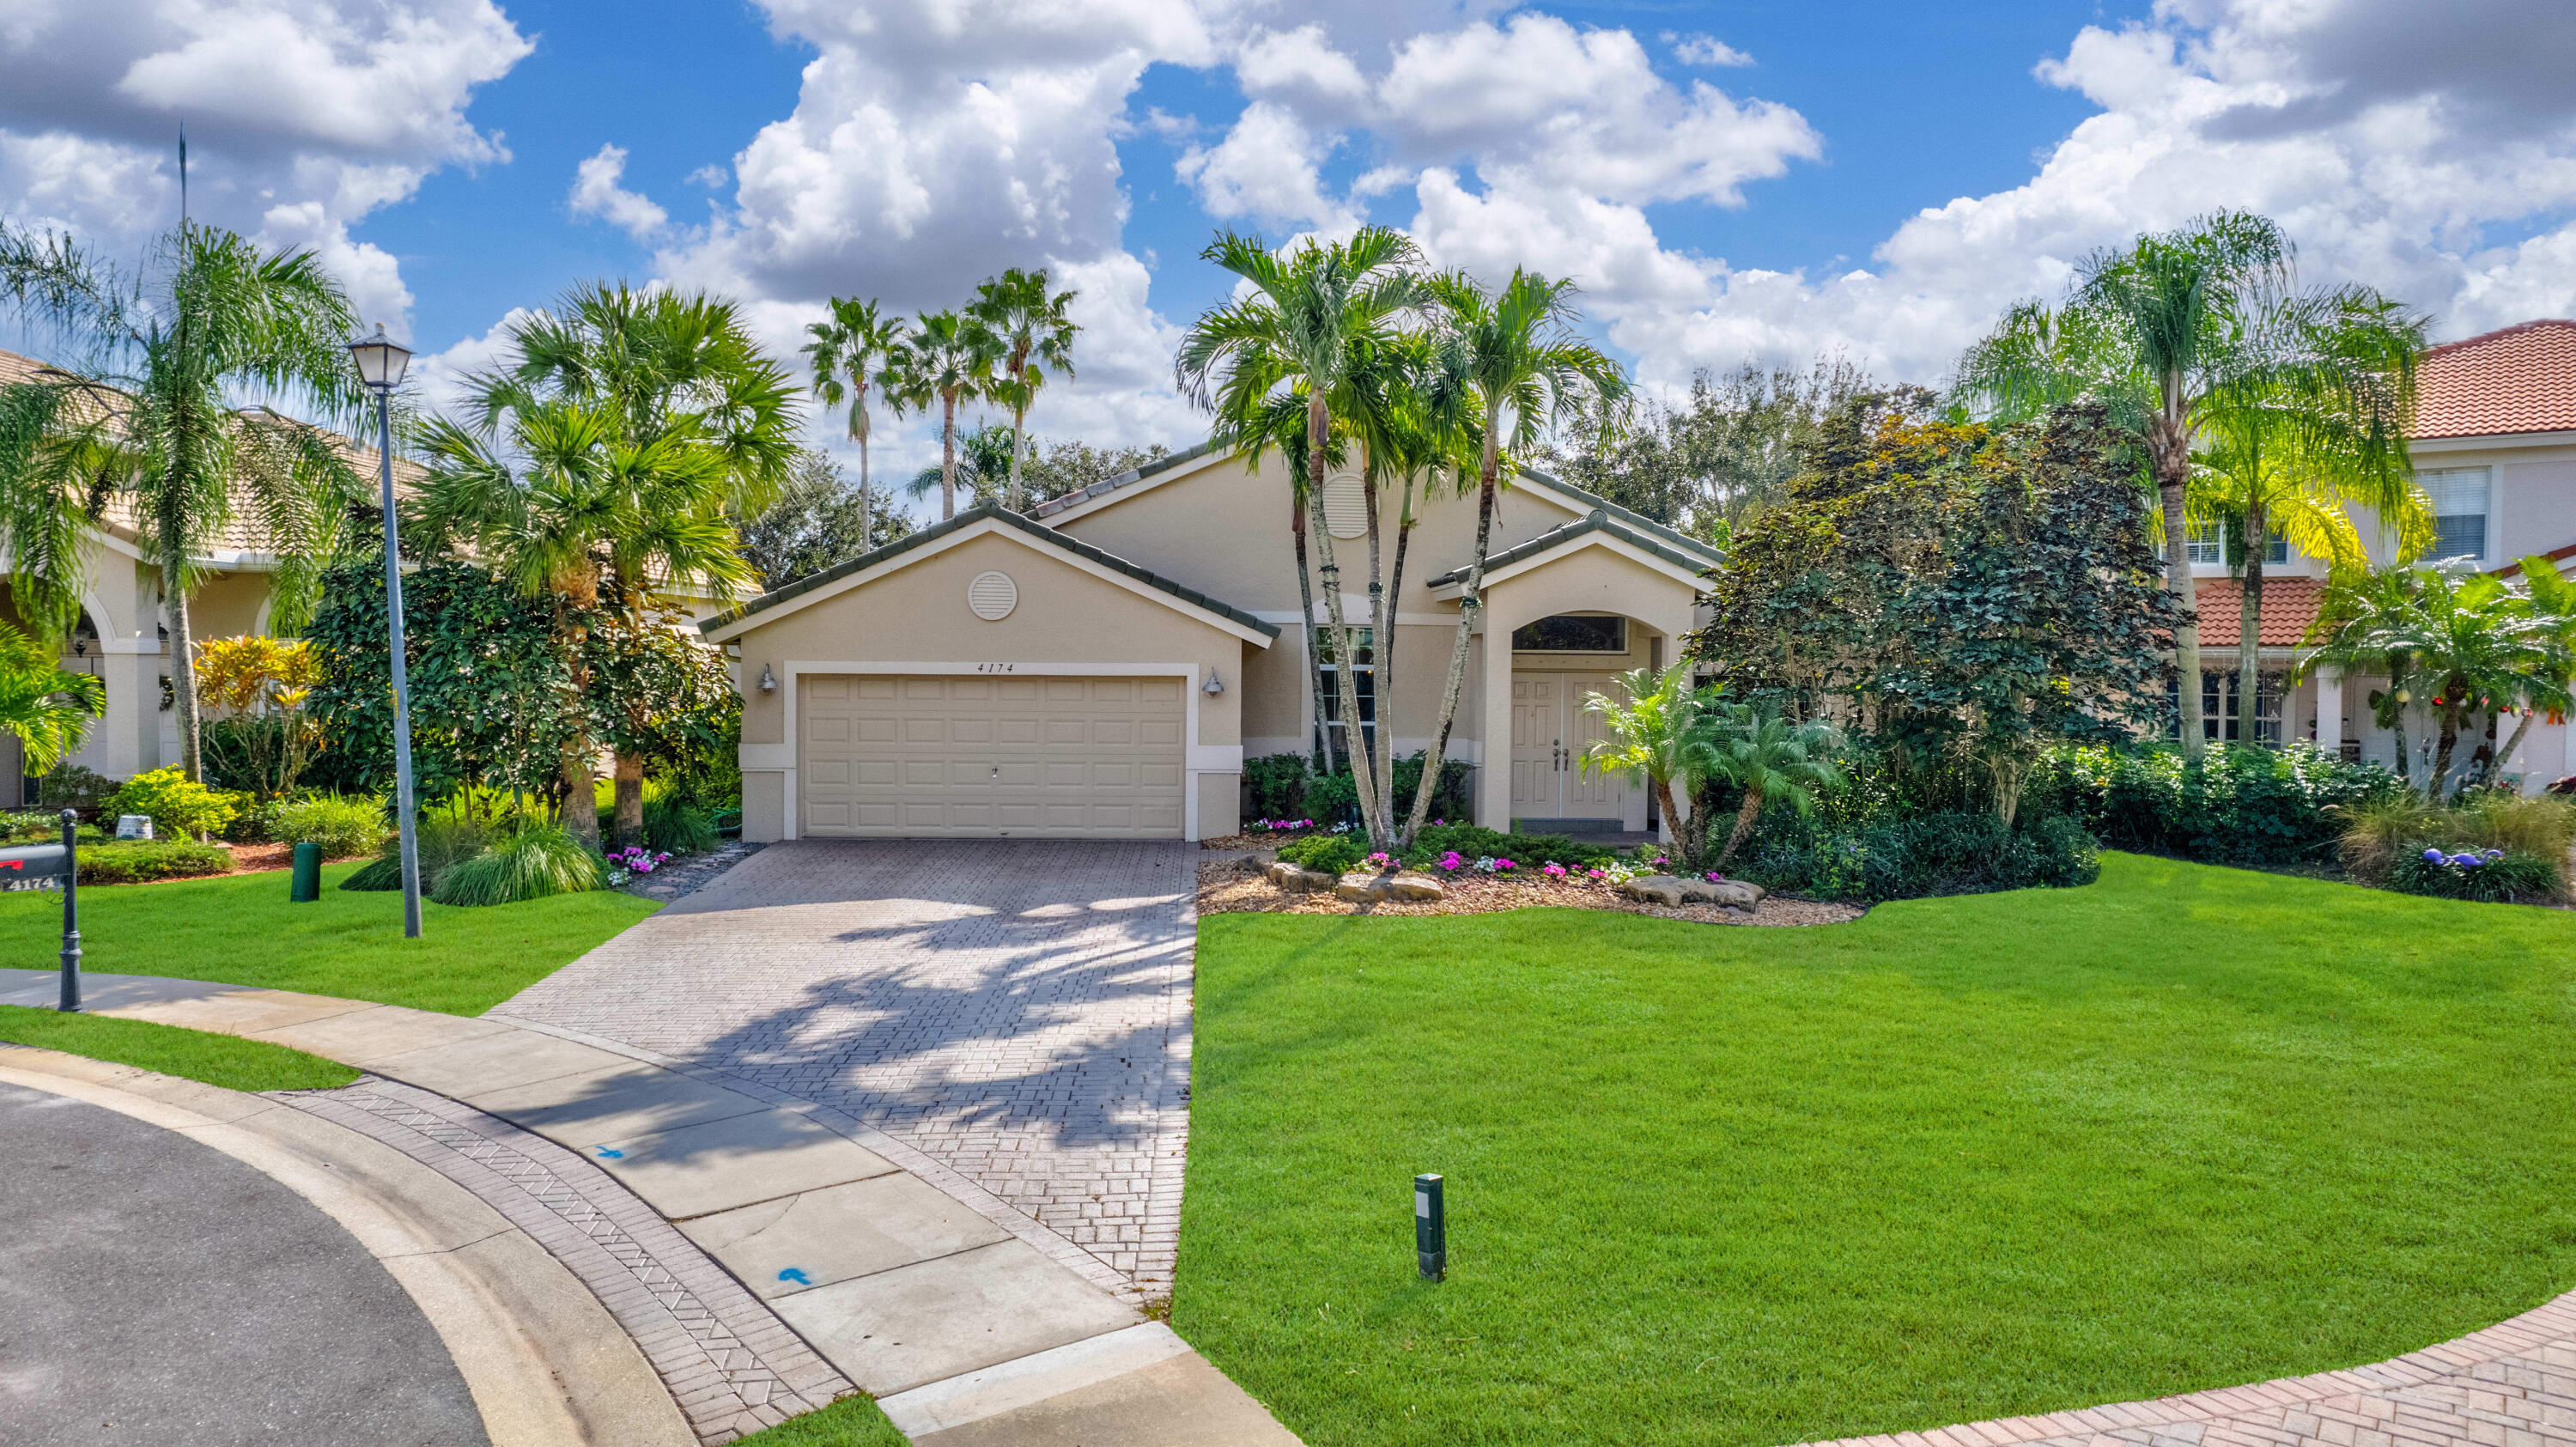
(984, 755)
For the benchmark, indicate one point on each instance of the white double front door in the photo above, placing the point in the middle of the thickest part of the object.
(1551, 733)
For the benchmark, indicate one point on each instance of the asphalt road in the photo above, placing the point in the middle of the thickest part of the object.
(156, 1292)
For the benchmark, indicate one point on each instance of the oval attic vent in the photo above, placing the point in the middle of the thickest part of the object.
(1345, 503)
(992, 596)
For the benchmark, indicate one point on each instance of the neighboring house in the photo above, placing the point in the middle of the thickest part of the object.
(2494, 446)
(1103, 666)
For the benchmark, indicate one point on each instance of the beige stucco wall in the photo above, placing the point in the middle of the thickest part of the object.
(1067, 619)
(228, 605)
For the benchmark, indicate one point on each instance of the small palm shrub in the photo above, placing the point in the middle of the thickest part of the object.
(2488, 875)
(177, 804)
(1324, 853)
(342, 824)
(534, 862)
(443, 840)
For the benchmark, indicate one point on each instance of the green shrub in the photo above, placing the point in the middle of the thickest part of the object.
(133, 861)
(2382, 835)
(1472, 842)
(2243, 805)
(1936, 853)
(442, 840)
(1325, 853)
(1275, 786)
(1334, 798)
(34, 825)
(342, 824)
(537, 861)
(178, 805)
(70, 786)
(2489, 875)
(676, 825)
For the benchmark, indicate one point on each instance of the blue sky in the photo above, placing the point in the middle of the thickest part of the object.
(1728, 183)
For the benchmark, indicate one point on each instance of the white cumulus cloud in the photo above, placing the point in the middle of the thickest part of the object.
(596, 192)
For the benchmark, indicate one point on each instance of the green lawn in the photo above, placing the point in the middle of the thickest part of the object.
(239, 929)
(1964, 1158)
(849, 1422)
(190, 1054)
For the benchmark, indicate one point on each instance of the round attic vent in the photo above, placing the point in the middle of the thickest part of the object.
(992, 596)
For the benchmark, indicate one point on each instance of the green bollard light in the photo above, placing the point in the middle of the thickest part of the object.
(307, 886)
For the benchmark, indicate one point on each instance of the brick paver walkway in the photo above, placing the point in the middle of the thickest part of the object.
(1016, 1010)
(2511, 1385)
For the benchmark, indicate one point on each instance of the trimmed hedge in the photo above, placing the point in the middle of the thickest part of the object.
(138, 861)
(1324, 853)
(1473, 842)
(1946, 852)
(2243, 805)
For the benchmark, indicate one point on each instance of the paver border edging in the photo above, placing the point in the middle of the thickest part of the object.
(545, 1363)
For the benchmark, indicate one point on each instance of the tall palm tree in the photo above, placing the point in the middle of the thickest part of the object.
(604, 461)
(850, 353)
(2158, 330)
(1765, 755)
(948, 359)
(1304, 330)
(1037, 339)
(47, 708)
(1515, 352)
(175, 420)
(2318, 427)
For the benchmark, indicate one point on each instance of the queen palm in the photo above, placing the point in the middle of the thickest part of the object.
(604, 460)
(174, 418)
(1305, 330)
(850, 352)
(2159, 331)
(948, 359)
(1513, 350)
(1036, 336)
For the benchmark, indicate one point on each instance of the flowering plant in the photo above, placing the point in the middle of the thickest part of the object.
(1490, 865)
(1451, 862)
(1380, 860)
(1716, 878)
(1613, 873)
(1281, 826)
(624, 864)
(1552, 870)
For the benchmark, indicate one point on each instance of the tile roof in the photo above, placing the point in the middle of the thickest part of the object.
(1598, 520)
(999, 514)
(2289, 606)
(1165, 463)
(242, 532)
(2520, 379)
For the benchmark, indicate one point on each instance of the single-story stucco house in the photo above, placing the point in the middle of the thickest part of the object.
(1103, 665)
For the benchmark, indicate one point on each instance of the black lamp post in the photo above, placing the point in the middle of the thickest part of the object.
(381, 363)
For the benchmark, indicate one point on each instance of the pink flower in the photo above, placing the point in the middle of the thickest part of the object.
(1716, 878)
(1553, 870)
(1380, 860)
(1451, 862)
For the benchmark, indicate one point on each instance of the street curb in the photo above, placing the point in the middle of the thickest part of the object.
(546, 1364)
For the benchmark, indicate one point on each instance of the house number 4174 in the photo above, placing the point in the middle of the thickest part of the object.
(995, 667)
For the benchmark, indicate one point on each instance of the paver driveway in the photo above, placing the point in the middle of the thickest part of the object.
(1018, 1010)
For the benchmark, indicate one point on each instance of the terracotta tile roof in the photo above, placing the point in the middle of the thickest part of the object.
(2520, 379)
(242, 533)
(2289, 606)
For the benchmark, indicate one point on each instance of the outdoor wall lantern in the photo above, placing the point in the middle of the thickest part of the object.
(768, 680)
(1214, 685)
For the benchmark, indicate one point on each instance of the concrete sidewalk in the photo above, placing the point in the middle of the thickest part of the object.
(965, 1331)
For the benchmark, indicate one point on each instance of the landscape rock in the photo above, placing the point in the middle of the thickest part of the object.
(1417, 886)
(1661, 889)
(1299, 880)
(1362, 886)
(1732, 893)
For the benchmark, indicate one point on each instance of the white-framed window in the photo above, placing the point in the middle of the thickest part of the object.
(2216, 543)
(2461, 498)
(1363, 679)
(2220, 699)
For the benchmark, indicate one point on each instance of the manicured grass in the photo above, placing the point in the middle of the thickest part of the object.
(223, 1060)
(849, 1422)
(239, 929)
(1964, 1158)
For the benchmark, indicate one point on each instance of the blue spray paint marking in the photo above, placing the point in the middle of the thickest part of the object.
(795, 1274)
(606, 1154)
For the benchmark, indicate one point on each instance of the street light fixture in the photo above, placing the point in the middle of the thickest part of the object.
(381, 363)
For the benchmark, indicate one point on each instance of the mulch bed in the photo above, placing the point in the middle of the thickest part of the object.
(1234, 885)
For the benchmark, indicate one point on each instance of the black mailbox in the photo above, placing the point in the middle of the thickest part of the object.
(34, 866)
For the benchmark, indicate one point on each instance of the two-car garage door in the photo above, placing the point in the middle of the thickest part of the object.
(989, 755)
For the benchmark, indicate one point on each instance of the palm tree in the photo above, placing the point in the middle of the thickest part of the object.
(1765, 755)
(48, 709)
(983, 462)
(1033, 329)
(154, 427)
(2460, 642)
(2366, 624)
(2312, 424)
(1651, 733)
(605, 460)
(1515, 351)
(948, 359)
(2552, 599)
(850, 352)
(1304, 330)
(2158, 331)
